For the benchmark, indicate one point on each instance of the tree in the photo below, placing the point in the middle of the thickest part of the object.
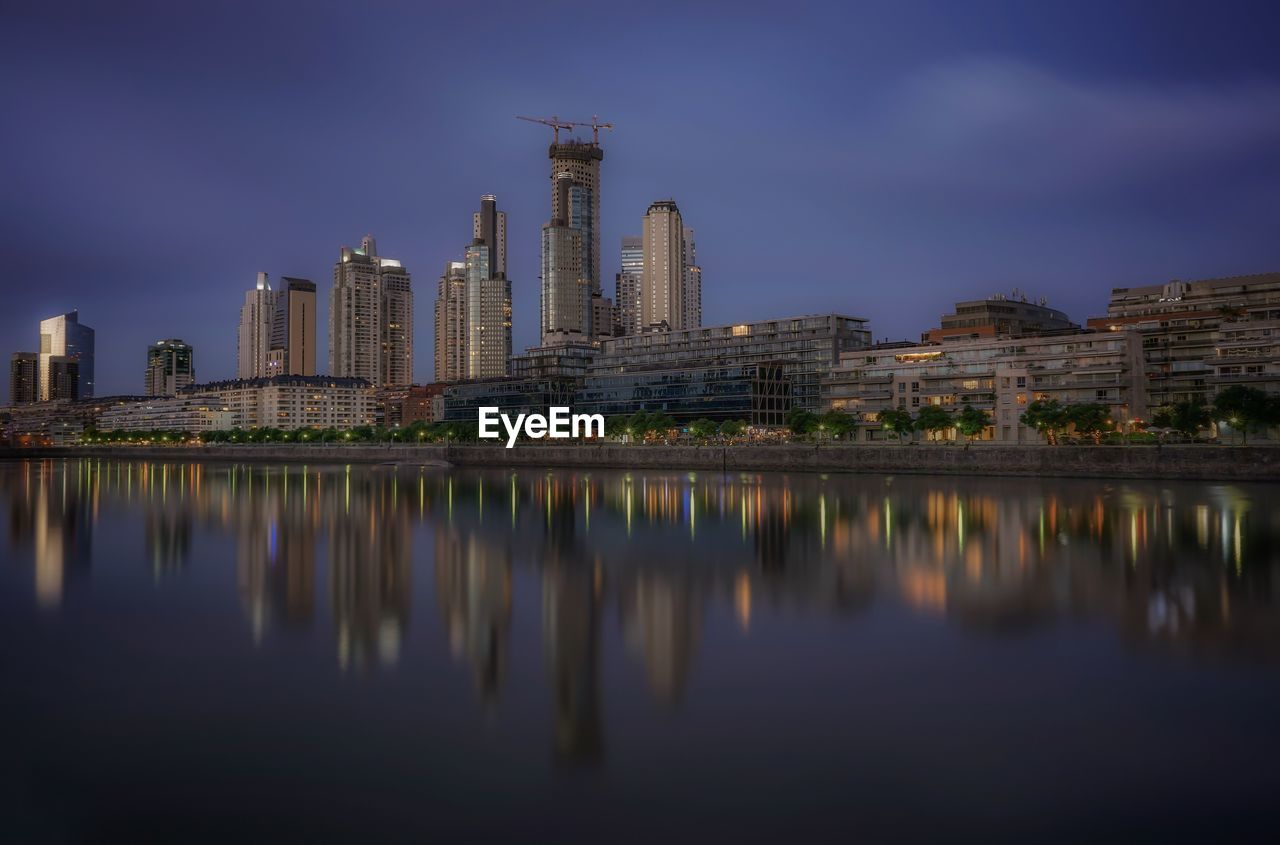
(1090, 418)
(733, 428)
(1188, 418)
(703, 428)
(616, 426)
(897, 420)
(972, 421)
(837, 424)
(1244, 408)
(933, 418)
(801, 422)
(1046, 416)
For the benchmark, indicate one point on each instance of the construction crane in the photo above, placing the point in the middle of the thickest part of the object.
(557, 124)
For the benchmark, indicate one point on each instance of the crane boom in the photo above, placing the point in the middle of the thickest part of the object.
(557, 124)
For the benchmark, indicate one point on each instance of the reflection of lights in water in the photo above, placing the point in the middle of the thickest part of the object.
(1202, 526)
(888, 523)
(742, 600)
(822, 520)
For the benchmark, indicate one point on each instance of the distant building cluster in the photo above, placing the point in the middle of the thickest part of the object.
(646, 349)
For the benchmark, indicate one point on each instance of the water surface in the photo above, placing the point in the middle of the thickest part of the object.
(372, 652)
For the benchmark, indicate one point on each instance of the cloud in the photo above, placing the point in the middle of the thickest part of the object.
(1004, 128)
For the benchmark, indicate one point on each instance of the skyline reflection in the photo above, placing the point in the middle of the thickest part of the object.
(352, 554)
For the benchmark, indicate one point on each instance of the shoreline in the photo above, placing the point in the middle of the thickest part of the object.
(1180, 462)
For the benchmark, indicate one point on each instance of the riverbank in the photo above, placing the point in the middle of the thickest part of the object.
(1206, 463)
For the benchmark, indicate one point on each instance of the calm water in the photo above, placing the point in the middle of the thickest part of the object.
(383, 652)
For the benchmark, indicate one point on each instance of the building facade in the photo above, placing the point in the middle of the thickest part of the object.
(1181, 326)
(62, 380)
(488, 295)
(253, 339)
(194, 414)
(662, 288)
(566, 290)
(65, 336)
(580, 160)
(998, 375)
(806, 347)
(629, 281)
(24, 378)
(293, 402)
(692, 293)
(451, 323)
(756, 393)
(1247, 353)
(371, 317)
(999, 316)
(170, 367)
(512, 395)
(293, 329)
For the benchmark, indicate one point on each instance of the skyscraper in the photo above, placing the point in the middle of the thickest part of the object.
(371, 317)
(662, 289)
(629, 281)
(170, 367)
(293, 329)
(566, 290)
(24, 378)
(65, 336)
(63, 381)
(581, 160)
(254, 336)
(451, 323)
(488, 293)
(692, 283)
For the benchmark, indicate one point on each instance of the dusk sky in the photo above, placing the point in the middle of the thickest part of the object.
(878, 160)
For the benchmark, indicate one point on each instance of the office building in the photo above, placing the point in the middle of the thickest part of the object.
(170, 367)
(63, 378)
(488, 295)
(999, 316)
(512, 395)
(24, 378)
(293, 329)
(371, 317)
(662, 289)
(1181, 324)
(580, 160)
(629, 281)
(807, 347)
(756, 393)
(451, 323)
(254, 335)
(65, 336)
(994, 374)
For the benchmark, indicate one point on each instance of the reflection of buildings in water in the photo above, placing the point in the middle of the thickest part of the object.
(473, 588)
(662, 622)
(168, 539)
(571, 612)
(369, 575)
(61, 527)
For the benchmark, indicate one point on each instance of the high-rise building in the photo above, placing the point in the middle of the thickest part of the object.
(65, 336)
(371, 317)
(662, 289)
(293, 329)
(581, 209)
(63, 381)
(488, 295)
(566, 290)
(254, 336)
(692, 283)
(629, 281)
(451, 323)
(24, 378)
(170, 367)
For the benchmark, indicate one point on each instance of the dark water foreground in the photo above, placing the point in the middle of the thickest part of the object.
(369, 652)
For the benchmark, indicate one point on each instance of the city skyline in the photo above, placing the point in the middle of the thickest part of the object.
(1138, 193)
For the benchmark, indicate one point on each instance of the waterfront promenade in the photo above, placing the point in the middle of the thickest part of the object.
(1201, 462)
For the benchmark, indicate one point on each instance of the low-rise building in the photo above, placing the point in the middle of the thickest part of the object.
(405, 406)
(195, 414)
(293, 402)
(999, 316)
(998, 375)
(1247, 353)
(806, 347)
(62, 421)
(759, 394)
(512, 395)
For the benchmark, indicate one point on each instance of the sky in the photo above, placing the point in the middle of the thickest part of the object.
(881, 160)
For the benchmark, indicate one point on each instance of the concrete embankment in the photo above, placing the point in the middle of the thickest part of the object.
(1223, 463)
